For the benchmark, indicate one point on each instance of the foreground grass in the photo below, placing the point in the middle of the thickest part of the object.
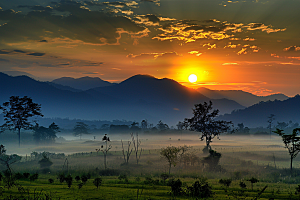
(112, 188)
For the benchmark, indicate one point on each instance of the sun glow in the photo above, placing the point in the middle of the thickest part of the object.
(192, 78)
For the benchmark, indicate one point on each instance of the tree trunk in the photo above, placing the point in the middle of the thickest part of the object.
(291, 165)
(105, 161)
(19, 135)
(170, 168)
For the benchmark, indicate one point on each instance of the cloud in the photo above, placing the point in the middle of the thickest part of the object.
(292, 48)
(196, 53)
(4, 52)
(154, 55)
(36, 54)
(230, 64)
(4, 60)
(95, 27)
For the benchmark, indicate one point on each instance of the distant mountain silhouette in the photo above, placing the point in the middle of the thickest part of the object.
(63, 87)
(19, 73)
(139, 97)
(257, 115)
(161, 97)
(83, 83)
(244, 98)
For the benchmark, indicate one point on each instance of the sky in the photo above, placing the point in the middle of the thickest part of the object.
(250, 45)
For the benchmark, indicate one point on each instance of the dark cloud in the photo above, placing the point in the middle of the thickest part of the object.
(19, 51)
(36, 54)
(292, 48)
(4, 52)
(3, 60)
(43, 41)
(152, 18)
(81, 24)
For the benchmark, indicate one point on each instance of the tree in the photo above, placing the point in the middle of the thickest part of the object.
(292, 143)
(161, 126)
(271, 118)
(105, 149)
(45, 162)
(80, 128)
(172, 154)
(204, 121)
(16, 113)
(136, 145)
(128, 152)
(144, 125)
(45, 135)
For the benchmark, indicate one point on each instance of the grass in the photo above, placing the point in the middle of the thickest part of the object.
(242, 158)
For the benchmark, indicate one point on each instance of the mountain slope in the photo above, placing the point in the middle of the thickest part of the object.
(257, 115)
(244, 98)
(83, 83)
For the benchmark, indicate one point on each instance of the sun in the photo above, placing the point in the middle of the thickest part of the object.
(192, 78)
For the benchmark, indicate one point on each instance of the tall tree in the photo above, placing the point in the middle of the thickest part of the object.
(271, 118)
(291, 142)
(80, 128)
(17, 111)
(204, 121)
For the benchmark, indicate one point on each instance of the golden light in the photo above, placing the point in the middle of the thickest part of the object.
(192, 78)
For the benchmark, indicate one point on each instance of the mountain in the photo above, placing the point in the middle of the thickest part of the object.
(257, 115)
(137, 98)
(83, 83)
(161, 97)
(244, 98)
(19, 73)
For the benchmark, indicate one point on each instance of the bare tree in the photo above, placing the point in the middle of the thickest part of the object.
(128, 152)
(271, 118)
(105, 149)
(16, 113)
(292, 143)
(136, 145)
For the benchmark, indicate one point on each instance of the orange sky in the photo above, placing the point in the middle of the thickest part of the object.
(241, 45)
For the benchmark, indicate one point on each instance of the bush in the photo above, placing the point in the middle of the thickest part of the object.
(84, 179)
(97, 182)
(61, 178)
(51, 180)
(123, 177)
(18, 176)
(176, 189)
(200, 190)
(34, 177)
(69, 180)
(77, 178)
(26, 175)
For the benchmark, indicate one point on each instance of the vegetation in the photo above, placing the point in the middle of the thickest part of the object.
(204, 121)
(16, 113)
(292, 143)
(80, 128)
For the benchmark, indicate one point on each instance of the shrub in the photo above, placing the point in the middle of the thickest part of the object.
(34, 177)
(51, 180)
(69, 180)
(61, 177)
(200, 190)
(176, 189)
(97, 182)
(18, 176)
(84, 179)
(26, 175)
(123, 177)
(77, 178)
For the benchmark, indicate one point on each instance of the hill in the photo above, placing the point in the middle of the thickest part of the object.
(244, 98)
(257, 115)
(83, 83)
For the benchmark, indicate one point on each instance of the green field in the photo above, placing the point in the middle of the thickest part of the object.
(243, 157)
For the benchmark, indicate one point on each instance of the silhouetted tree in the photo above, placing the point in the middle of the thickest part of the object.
(128, 152)
(252, 181)
(45, 162)
(80, 128)
(97, 182)
(271, 118)
(135, 127)
(282, 125)
(204, 121)
(144, 125)
(161, 126)
(291, 142)
(16, 113)
(105, 148)
(45, 135)
(180, 126)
